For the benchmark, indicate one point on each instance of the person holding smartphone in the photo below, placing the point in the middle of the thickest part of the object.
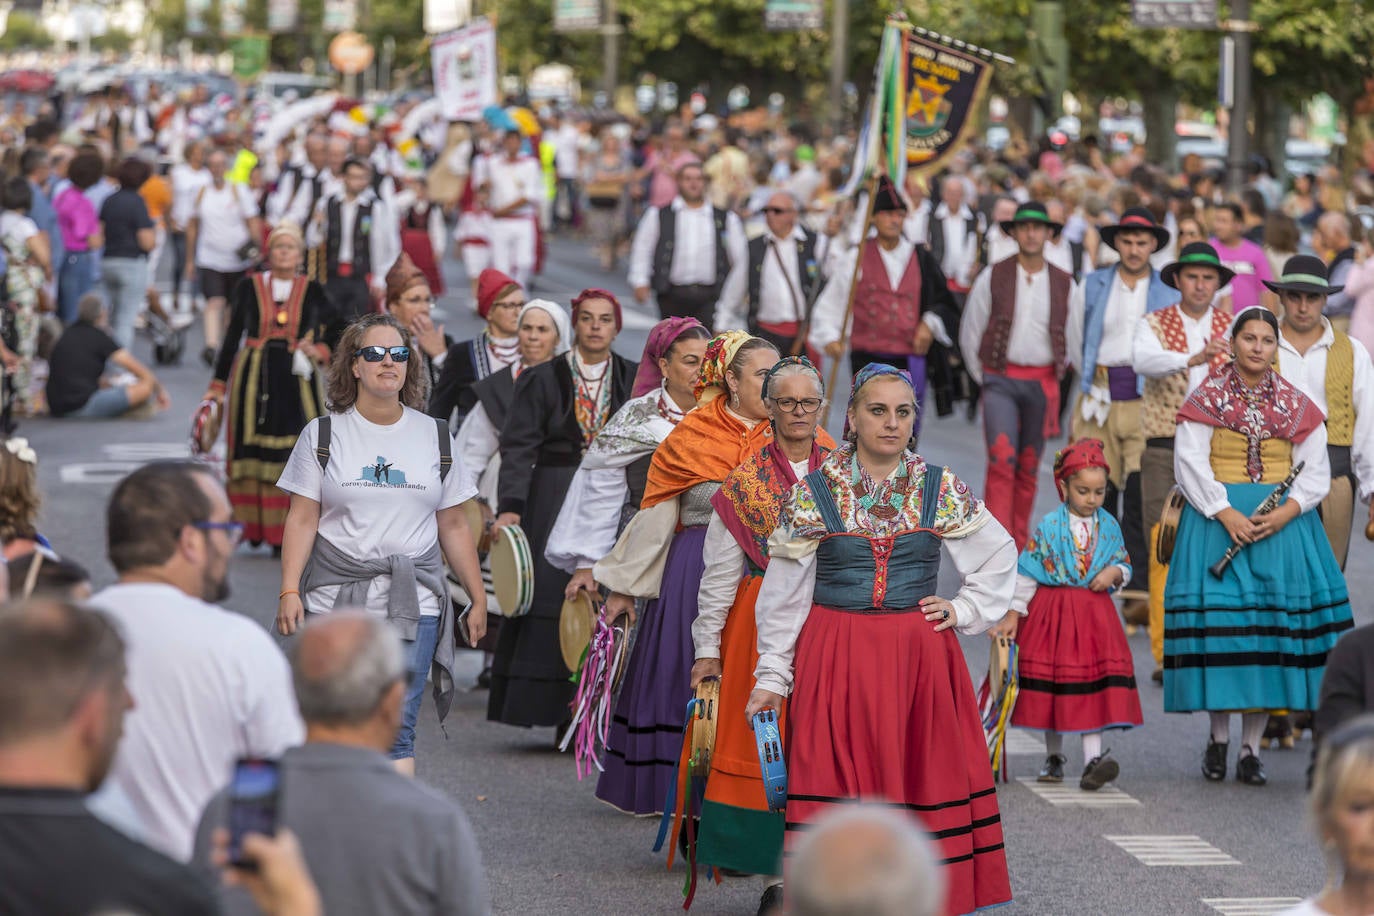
(374, 513)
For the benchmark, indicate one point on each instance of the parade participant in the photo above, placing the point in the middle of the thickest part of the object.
(28, 257)
(327, 181)
(556, 411)
(954, 232)
(1342, 787)
(377, 538)
(1103, 313)
(360, 242)
(615, 470)
(223, 224)
(1255, 639)
(1174, 350)
(902, 303)
(1075, 669)
(1242, 257)
(687, 251)
(514, 186)
(881, 704)
(1014, 343)
(409, 299)
(659, 556)
(275, 344)
(772, 297)
(423, 232)
(1334, 370)
(737, 831)
(296, 177)
(499, 303)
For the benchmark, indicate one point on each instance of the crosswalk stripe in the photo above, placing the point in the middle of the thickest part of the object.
(146, 451)
(1068, 794)
(1187, 851)
(1020, 741)
(1251, 906)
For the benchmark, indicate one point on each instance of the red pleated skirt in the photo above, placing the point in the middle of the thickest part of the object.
(883, 709)
(1076, 670)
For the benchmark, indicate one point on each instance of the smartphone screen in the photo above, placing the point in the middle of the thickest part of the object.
(252, 804)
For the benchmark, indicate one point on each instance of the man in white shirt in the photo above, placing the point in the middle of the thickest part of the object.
(514, 186)
(1014, 344)
(771, 299)
(1174, 350)
(953, 234)
(567, 164)
(209, 685)
(328, 180)
(996, 243)
(687, 251)
(360, 242)
(1334, 370)
(297, 176)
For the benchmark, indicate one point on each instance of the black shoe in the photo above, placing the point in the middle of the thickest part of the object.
(1158, 676)
(770, 904)
(484, 679)
(1101, 770)
(1249, 770)
(1053, 770)
(207, 356)
(1214, 761)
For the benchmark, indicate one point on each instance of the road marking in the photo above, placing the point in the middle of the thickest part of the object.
(146, 451)
(98, 472)
(1251, 906)
(1020, 741)
(1067, 794)
(1189, 851)
(124, 458)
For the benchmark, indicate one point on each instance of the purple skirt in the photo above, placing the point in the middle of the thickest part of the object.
(646, 730)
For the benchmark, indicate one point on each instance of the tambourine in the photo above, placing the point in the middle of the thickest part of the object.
(205, 423)
(704, 734)
(1168, 524)
(476, 518)
(1369, 531)
(512, 571)
(576, 621)
(774, 768)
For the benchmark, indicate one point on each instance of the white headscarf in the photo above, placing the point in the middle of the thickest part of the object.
(561, 320)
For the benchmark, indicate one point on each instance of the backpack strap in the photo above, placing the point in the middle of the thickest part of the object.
(445, 449)
(322, 443)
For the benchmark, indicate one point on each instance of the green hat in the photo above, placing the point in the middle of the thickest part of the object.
(1032, 211)
(1196, 254)
(806, 153)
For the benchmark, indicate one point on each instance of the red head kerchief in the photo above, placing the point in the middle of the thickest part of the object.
(1078, 456)
(491, 283)
(597, 293)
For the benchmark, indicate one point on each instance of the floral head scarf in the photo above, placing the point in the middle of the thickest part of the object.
(720, 353)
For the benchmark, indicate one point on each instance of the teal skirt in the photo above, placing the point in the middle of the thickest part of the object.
(1257, 638)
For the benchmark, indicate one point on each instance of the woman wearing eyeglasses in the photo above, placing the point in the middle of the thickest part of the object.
(737, 830)
(409, 299)
(269, 365)
(374, 516)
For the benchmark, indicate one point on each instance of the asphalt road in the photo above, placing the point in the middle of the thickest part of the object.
(551, 848)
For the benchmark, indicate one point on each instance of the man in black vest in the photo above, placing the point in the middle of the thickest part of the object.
(686, 251)
(296, 176)
(360, 242)
(953, 237)
(772, 296)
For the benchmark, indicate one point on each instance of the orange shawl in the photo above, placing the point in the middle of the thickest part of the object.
(707, 445)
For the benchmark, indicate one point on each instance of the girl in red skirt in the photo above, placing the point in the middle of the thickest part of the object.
(1076, 671)
(850, 626)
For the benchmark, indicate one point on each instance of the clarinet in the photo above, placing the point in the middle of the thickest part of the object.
(1271, 502)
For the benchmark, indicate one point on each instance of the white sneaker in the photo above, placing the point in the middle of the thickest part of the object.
(180, 320)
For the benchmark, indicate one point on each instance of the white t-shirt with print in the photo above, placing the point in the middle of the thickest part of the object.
(378, 497)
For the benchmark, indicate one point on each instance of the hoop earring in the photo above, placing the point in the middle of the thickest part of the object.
(734, 399)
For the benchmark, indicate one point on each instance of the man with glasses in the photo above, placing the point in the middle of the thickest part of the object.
(211, 685)
(772, 299)
(499, 300)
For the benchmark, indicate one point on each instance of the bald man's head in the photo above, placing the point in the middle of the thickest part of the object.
(1334, 227)
(337, 155)
(865, 859)
(342, 666)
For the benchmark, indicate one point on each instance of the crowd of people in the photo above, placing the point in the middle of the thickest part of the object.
(1203, 356)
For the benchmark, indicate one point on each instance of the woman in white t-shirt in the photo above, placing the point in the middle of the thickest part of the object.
(374, 513)
(188, 178)
(1342, 800)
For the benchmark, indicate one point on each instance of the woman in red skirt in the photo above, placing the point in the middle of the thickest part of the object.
(881, 706)
(1076, 671)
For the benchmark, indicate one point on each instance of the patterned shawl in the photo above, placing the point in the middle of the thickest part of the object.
(706, 446)
(751, 499)
(1052, 558)
(635, 430)
(1274, 409)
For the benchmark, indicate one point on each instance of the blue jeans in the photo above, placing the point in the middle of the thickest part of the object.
(419, 657)
(74, 280)
(126, 289)
(105, 404)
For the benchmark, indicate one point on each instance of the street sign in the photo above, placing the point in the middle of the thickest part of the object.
(350, 53)
(283, 16)
(233, 16)
(340, 15)
(250, 56)
(576, 15)
(1174, 14)
(793, 15)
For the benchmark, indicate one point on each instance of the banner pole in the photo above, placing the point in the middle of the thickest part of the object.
(849, 304)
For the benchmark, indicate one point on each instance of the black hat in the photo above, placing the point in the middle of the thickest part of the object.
(1196, 254)
(1136, 219)
(1032, 211)
(887, 199)
(1304, 273)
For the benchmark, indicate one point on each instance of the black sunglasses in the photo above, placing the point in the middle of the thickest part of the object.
(377, 354)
